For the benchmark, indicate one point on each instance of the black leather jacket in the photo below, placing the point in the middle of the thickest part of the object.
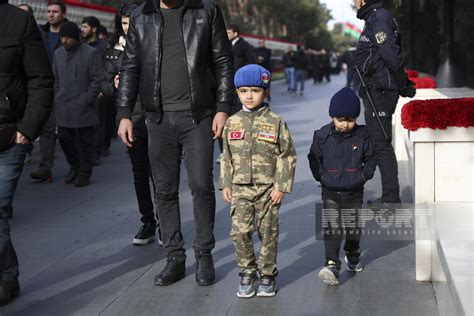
(208, 57)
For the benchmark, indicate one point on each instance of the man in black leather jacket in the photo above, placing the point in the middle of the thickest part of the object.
(178, 58)
(26, 95)
(380, 59)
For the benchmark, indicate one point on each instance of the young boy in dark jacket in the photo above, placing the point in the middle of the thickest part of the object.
(342, 159)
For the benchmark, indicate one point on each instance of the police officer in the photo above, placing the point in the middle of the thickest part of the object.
(379, 57)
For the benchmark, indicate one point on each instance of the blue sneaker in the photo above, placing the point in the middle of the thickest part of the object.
(247, 285)
(267, 286)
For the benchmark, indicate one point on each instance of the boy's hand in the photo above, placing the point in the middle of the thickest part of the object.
(227, 195)
(277, 197)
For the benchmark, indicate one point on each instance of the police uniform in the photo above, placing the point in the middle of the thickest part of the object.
(379, 57)
(258, 157)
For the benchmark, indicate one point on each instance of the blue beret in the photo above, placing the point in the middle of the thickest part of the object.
(252, 76)
(345, 103)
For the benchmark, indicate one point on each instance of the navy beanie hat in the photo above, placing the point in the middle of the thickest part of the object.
(252, 76)
(345, 103)
(70, 29)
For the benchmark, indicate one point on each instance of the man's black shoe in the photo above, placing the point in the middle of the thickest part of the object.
(42, 175)
(174, 271)
(205, 272)
(145, 235)
(71, 176)
(81, 182)
(8, 291)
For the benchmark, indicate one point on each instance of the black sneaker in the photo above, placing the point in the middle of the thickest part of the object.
(81, 182)
(71, 176)
(267, 286)
(42, 175)
(205, 272)
(174, 271)
(330, 273)
(247, 285)
(353, 261)
(8, 291)
(145, 235)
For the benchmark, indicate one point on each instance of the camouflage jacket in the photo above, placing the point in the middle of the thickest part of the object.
(258, 149)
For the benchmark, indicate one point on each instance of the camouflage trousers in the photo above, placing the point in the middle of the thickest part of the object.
(251, 210)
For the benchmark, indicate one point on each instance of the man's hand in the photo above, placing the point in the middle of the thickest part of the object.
(227, 195)
(277, 197)
(218, 124)
(21, 139)
(125, 132)
(117, 80)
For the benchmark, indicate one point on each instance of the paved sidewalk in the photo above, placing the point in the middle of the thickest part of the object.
(76, 253)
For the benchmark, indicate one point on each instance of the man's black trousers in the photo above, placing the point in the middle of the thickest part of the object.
(174, 137)
(78, 147)
(385, 101)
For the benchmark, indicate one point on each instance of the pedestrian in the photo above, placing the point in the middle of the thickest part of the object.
(380, 59)
(187, 111)
(342, 159)
(243, 54)
(26, 95)
(78, 71)
(257, 170)
(56, 14)
(289, 64)
(264, 59)
(89, 31)
(138, 152)
(349, 58)
(301, 66)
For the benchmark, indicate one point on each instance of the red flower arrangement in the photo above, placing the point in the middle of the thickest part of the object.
(412, 73)
(438, 113)
(424, 83)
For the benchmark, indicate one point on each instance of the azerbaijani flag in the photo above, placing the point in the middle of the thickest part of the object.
(352, 30)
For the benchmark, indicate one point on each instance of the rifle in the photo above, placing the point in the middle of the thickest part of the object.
(371, 101)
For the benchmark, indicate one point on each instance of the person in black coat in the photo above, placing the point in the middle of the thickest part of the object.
(78, 71)
(138, 153)
(342, 159)
(26, 95)
(380, 59)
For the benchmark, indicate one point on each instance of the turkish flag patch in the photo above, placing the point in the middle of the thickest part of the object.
(236, 135)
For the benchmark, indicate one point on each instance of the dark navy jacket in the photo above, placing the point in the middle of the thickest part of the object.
(342, 161)
(379, 52)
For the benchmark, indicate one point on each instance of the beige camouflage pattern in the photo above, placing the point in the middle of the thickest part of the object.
(252, 206)
(258, 149)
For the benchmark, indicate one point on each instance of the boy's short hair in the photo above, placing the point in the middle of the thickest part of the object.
(59, 3)
(252, 75)
(345, 103)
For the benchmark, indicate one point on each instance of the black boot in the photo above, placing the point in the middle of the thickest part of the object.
(81, 182)
(42, 175)
(174, 271)
(8, 291)
(205, 273)
(71, 176)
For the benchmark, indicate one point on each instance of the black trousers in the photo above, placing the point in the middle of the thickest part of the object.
(386, 159)
(339, 208)
(47, 143)
(78, 147)
(166, 141)
(141, 178)
(99, 137)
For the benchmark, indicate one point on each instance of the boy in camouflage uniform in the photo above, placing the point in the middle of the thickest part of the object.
(257, 169)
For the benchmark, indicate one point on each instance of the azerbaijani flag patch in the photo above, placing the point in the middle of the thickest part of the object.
(266, 136)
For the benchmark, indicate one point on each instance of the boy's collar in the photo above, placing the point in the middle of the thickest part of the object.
(260, 109)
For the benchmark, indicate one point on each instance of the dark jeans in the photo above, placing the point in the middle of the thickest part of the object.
(11, 166)
(141, 178)
(338, 209)
(166, 141)
(300, 77)
(47, 143)
(78, 147)
(386, 159)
